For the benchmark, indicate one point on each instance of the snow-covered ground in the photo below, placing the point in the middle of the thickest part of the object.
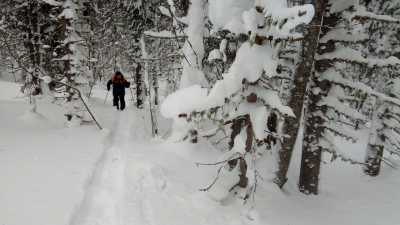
(43, 166)
(120, 176)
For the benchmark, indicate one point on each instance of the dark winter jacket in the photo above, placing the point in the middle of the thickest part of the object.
(119, 85)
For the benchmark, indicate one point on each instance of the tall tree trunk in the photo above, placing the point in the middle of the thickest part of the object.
(139, 87)
(375, 147)
(301, 79)
(313, 132)
(314, 115)
(373, 159)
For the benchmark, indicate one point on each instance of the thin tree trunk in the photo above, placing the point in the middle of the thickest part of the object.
(375, 147)
(373, 160)
(139, 87)
(301, 79)
(237, 126)
(244, 181)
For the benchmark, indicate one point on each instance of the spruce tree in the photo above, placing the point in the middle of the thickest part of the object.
(342, 70)
(244, 104)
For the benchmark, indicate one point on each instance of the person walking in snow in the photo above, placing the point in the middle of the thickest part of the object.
(119, 84)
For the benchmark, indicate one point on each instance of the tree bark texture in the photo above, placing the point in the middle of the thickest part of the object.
(375, 147)
(313, 132)
(237, 126)
(373, 160)
(314, 117)
(301, 79)
(139, 87)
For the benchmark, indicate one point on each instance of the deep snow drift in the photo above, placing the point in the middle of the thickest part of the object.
(80, 176)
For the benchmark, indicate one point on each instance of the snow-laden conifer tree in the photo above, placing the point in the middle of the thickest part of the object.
(71, 56)
(341, 71)
(244, 105)
(383, 25)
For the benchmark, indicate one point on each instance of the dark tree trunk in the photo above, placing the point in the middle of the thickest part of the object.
(373, 160)
(243, 180)
(301, 79)
(237, 126)
(313, 132)
(139, 87)
(193, 134)
(314, 117)
(375, 147)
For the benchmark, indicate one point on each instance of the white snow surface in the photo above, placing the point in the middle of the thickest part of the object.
(194, 46)
(74, 176)
(242, 17)
(296, 15)
(340, 5)
(224, 12)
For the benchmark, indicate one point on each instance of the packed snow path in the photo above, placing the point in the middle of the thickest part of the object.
(102, 203)
(136, 183)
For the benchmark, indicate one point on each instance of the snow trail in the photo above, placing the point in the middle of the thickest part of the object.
(141, 181)
(103, 201)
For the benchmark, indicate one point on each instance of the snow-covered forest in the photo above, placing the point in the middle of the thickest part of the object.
(211, 112)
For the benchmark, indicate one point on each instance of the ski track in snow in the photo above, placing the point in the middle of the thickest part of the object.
(129, 185)
(109, 200)
(103, 200)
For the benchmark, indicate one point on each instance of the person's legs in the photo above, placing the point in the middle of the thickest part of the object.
(115, 101)
(122, 100)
